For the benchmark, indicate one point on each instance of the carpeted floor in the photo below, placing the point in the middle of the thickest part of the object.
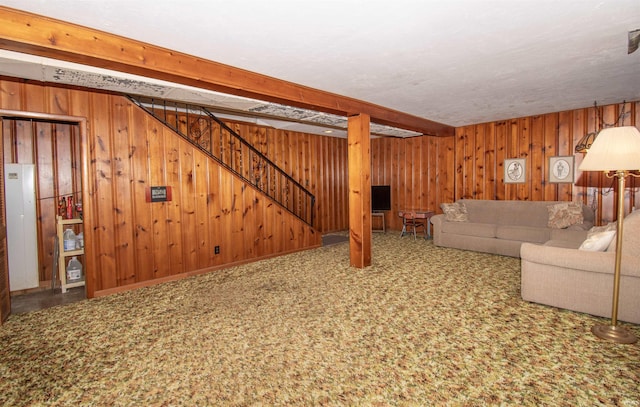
(422, 326)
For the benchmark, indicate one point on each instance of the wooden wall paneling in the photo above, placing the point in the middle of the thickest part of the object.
(315, 151)
(172, 238)
(514, 152)
(104, 233)
(304, 168)
(58, 100)
(539, 160)
(187, 206)
(81, 106)
(24, 142)
(393, 160)
(122, 151)
(340, 172)
(47, 200)
(36, 98)
(550, 137)
(11, 95)
(163, 169)
(237, 218)
(335, 182)
(416, 173)
(7, 140)
(328, 181)
(490, 167)
(226, 201)
(408, 168)
(215, 212)
(478, 161)
(445, 178)
(579, 129)
(501, 154)
(565, 148)
(425, 163)
(430, 172)
(524, 146)
(626, 117)
(142, 178)
(543, 132)
(204, 248)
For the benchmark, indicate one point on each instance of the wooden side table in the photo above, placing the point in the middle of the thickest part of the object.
(379, 215)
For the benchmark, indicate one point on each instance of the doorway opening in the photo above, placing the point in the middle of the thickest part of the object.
(52, 147)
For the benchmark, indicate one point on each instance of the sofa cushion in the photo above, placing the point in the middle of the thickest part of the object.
(577, 235)
(455, 212)
(567, 244)
(599, 241)
(565, 214)
(469, 229)
(523, 233)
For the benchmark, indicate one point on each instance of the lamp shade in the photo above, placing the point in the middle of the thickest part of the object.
(615, 148)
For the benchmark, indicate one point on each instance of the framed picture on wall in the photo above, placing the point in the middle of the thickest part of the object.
(561, 169)
(515, 170)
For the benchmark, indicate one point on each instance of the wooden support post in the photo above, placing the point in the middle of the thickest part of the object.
(359, 190)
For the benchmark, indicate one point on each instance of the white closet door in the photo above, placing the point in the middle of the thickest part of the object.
(22, 232)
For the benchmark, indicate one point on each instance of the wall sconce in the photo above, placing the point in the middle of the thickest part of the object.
(584, 144)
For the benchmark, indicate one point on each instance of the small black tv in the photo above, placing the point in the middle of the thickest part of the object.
(380, 198)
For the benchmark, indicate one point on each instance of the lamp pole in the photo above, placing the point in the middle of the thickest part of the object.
(613, 332)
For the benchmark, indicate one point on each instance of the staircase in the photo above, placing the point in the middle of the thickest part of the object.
(209, 134)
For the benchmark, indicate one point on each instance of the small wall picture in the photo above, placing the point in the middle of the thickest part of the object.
(561, 169)
(514, 170)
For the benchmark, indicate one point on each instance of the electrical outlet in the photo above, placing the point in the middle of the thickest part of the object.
(216, 250)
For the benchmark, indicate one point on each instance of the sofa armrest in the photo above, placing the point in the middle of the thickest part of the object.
(598, 262)
(436, 221)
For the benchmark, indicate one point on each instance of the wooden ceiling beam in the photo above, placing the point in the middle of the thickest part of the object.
(42, 36)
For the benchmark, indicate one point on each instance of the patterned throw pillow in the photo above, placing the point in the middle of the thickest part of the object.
(455, 212)
(565, 214)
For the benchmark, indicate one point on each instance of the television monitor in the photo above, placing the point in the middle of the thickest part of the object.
(380, 198)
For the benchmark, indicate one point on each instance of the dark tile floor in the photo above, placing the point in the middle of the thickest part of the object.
(22, 303)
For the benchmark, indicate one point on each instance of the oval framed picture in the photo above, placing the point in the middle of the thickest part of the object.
(514, 170)
(561, 169)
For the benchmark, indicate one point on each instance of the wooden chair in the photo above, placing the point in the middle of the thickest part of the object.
(411, 224)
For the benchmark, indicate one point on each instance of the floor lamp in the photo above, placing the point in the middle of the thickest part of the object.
(617, 150)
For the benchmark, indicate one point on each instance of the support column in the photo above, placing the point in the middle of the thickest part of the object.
(359, 155)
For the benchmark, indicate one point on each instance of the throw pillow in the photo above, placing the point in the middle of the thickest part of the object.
(565, 214)
(598, 242)
(455, 212)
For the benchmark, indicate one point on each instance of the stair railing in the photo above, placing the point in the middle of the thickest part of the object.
(204, 130)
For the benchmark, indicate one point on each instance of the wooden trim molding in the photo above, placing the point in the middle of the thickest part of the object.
(38, 35)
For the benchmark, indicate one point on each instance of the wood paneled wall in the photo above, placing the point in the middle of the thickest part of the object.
(418, 169)
(318, 163)
(481, 149)
(426, 171)
(133, 242)
(130, 242)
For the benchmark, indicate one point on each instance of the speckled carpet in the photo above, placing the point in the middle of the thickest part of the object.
(422, 326)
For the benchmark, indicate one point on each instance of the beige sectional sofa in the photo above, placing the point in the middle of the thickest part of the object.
(500, 227)
(562, 276)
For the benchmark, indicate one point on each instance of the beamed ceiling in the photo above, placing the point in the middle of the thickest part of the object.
(452, 63)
